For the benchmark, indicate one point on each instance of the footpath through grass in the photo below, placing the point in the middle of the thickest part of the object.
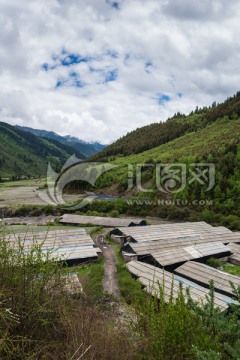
(131, 290)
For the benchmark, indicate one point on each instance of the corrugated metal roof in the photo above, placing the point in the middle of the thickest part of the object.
(178, 225)
(173, 227)
(175, 256)
(235, 248)
(183, 236)
(151, 239)
(97, 220)
(74, 253)
(164, 245)
(235, 258)
(202, 274)
(152, 277)
(186, 233)
(62, 244)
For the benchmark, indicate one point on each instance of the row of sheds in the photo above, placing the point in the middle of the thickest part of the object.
(172, 254)
(73, 245)
(153, 279)
(169, 245)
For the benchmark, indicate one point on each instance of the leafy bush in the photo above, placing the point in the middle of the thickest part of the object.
(216, 263)
(114, 214)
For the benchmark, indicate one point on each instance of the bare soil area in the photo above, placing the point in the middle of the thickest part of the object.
(110, 282)
(30, 220)
(28, 195)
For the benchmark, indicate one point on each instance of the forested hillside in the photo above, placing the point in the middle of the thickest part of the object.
(156, 134)
(23, 154)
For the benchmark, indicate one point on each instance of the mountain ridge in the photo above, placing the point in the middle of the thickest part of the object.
(23, 154)
(86, 148)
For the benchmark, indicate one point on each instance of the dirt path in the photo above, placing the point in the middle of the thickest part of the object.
(110, 282)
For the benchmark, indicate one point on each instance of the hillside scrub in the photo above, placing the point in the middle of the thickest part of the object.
(183, 329)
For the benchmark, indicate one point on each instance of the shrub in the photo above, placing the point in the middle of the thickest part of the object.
(114, 214)
(178, 213)
(216, 263)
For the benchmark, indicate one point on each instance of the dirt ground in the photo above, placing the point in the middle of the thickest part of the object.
(110, 282)
(30, 220)
(28, 195)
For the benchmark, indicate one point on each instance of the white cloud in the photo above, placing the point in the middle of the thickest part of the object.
(148, 48)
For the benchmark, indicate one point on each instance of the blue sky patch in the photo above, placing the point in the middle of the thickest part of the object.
(113, 54)
(72, 59)
(126, 59)
(68, 60)
(106, 75)
(60, 83)
(111, 75)
(92, 69)
(113, 4)
(65, 59)
(46, 67)
(162, 99)
(73, 80)
(148, 66)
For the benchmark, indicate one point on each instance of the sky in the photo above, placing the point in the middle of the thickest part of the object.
(99, 69)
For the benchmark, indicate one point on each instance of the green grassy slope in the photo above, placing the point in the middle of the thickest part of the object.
(203, 144)
(24, 154)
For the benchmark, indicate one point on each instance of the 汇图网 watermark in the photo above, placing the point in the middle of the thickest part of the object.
(168, 202)
(170, 178)
(173, 178)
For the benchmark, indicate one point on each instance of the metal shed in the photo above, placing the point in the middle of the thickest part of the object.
(101, 221)
(202, 274)
(235, 258)
(150, 246)
(152, 278)
(184, 233)
(235, 248)
(201, 251)
(65, 245)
